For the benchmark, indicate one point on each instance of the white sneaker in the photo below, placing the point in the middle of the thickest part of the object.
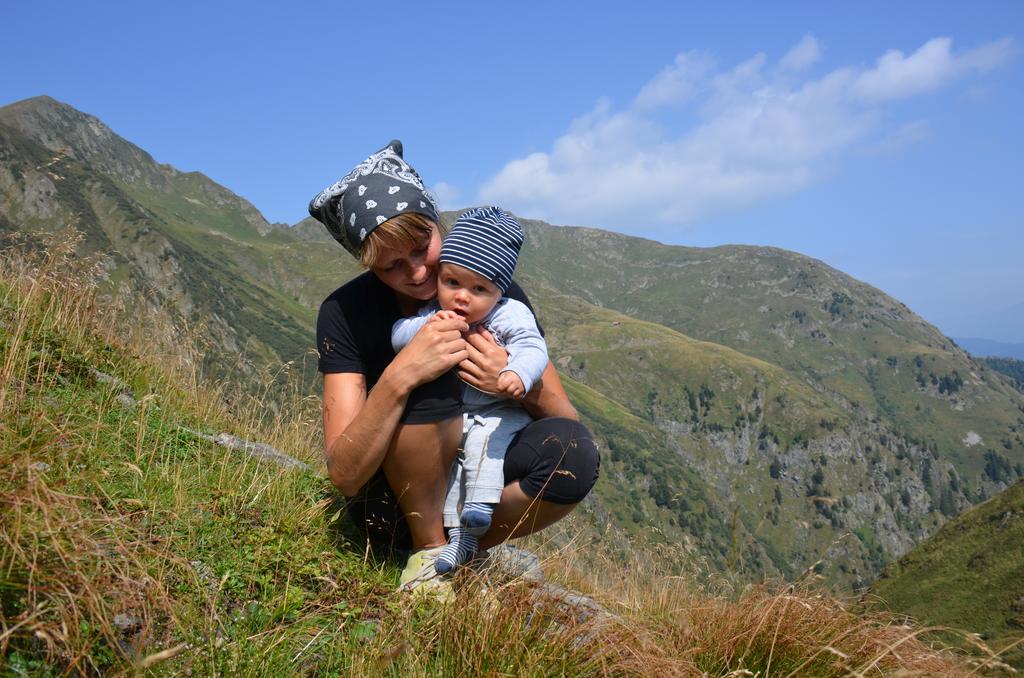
(420, 576)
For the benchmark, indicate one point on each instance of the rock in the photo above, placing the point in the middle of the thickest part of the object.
(205, 574)
(115, 383)
(125, 398)
(971, 438)
(583, 608)
(197, 434)
(509, 562)
(587, 614)
(126, 401)
(127, 623)
(261, 451)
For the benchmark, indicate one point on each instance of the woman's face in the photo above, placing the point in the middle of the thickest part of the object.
(411, 273)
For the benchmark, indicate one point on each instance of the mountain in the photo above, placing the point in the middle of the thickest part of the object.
(1004, 324)
(180, 240)
(767, 412)
(991, 348)
(969, 575)
(864, 349)
(908, 422)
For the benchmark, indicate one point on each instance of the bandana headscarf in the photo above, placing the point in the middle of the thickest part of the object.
(379, 188)
(486, 240)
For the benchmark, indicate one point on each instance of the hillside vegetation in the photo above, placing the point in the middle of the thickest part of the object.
(1011, 367)
(133, 544)
(969, 575)
(863, 350)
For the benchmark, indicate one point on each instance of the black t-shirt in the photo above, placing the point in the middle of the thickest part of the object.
(353, 334)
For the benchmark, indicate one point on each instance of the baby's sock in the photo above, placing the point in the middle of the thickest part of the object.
(461, 547)
(476, 517)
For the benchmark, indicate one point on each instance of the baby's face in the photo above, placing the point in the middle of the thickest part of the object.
(469, 294)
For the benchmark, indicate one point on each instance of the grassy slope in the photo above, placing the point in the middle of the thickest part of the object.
(969, 575)
(693, 390)
(744, 428)
(867, 350)
(125, 536)
(133, 546)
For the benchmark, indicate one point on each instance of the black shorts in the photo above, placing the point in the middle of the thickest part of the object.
(553, 459)
(434, 401)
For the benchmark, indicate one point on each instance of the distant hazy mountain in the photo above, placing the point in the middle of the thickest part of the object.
(1004, 325)
(753, 405)
(988, 347)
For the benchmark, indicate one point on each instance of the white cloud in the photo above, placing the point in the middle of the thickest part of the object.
(676, 83)
(802, 54)
(896, 76)
(446, 195)
(698, 141)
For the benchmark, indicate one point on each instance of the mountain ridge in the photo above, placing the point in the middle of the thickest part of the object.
(63, 129)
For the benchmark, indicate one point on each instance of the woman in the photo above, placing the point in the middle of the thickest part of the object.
(392, 423)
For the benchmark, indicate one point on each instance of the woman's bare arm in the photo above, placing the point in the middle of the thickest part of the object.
(358, 427)
(486, 360)
(548, 398)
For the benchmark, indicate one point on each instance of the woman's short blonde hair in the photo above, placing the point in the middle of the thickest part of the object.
(407, 231)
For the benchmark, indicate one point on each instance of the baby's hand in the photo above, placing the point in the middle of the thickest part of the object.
(511, 385)
(445, 315)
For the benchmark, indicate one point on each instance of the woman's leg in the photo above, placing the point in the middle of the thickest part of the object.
(519, 514)
(417, 467)
(549, 468)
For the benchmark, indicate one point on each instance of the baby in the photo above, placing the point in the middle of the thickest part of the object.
(475, 269)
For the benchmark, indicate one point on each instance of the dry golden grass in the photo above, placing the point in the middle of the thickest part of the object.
(683, 620)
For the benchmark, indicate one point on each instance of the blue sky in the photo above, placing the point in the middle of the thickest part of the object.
(883, 138)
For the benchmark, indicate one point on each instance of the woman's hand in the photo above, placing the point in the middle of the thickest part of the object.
(435, 349)
(484, 362)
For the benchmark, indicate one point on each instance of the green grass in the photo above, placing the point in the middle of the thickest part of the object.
(129, 542)
(131, 545)
(969, 575)
(122, 511)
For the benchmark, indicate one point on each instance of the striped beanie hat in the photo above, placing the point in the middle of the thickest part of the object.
(486, 240)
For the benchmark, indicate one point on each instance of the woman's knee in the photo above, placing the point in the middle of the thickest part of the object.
(554, 459)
